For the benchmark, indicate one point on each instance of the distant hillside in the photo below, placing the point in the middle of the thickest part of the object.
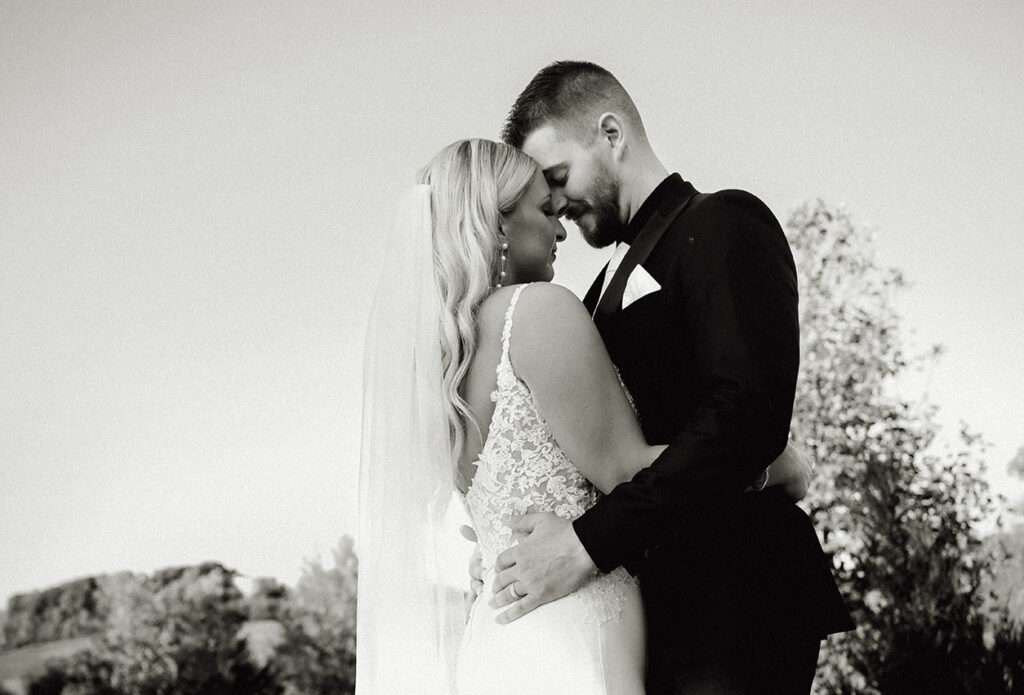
(200, 628)
(81, 607)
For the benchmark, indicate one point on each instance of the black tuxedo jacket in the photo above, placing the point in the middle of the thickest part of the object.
(711, 361)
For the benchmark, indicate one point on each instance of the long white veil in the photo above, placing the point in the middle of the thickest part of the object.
(409, 622)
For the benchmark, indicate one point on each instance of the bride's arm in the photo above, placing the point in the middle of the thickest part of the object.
(557, 351)
(792, 470)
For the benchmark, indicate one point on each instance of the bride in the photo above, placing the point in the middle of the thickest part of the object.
(483, 378)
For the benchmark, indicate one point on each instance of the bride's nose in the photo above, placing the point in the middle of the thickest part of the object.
(559, 230)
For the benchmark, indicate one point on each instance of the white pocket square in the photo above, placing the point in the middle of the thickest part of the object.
(640, 284)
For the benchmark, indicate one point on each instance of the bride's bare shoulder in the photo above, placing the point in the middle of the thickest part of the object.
(491, 314)
(540, 304)
(551, 325)
(545, 303)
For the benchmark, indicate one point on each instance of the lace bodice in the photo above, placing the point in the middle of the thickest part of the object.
(522, 469)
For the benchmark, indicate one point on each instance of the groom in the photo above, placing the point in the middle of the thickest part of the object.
(698, 309)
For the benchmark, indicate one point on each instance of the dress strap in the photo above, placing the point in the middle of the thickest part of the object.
(506, 332)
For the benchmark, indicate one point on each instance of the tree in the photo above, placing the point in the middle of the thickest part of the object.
(1016, 464)
(267, 599)
(1005, 590)
(317, 655)
(897, 518)
(72, 609)
(173, 633)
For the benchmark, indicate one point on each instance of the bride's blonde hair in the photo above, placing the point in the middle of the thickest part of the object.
(472, 183)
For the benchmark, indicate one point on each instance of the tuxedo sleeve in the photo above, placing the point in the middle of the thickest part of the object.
(738, 305)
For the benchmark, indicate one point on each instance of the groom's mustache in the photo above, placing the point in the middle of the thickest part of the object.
(574, 211)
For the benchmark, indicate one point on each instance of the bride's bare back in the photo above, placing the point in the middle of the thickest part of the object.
(481, 380)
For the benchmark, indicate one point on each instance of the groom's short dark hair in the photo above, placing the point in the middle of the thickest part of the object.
(567, 91)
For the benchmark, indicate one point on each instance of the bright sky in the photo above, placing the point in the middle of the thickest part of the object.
(193, 195)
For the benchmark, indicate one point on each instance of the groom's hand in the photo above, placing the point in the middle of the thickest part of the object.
(548, 563)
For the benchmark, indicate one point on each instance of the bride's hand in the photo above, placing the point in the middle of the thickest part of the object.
(476, 564)
(793, 470)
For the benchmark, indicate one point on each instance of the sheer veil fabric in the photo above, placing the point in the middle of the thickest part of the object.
(409, 622)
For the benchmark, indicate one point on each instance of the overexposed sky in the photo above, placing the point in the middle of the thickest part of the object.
(192, 197)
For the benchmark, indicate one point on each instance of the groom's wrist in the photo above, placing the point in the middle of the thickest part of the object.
(594, 544)
(586, 563)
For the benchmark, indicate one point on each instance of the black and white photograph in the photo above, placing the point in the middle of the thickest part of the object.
(481, 348)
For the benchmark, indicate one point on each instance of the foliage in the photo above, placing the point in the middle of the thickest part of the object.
(268, 599)
(187, 630)
(1004, 591)
(1016, 464)
(73, 609)
(173, 633)
(317, 652)
(897, 518)
(51, 681)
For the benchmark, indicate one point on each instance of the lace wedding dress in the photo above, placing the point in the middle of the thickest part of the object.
(589, 642)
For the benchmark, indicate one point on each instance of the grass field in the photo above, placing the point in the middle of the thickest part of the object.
(18, 662)
(15, 664)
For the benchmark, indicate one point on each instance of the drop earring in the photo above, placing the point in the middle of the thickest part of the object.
(503, 262)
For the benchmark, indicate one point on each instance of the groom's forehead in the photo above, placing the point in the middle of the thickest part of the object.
(549, 145)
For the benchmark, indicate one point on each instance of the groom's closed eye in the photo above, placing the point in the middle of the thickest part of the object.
(557, 176)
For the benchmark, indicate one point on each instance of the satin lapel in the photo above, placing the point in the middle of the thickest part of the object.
(590, 300)
(645, 242)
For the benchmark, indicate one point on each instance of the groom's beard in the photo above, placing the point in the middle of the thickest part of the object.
(604, 226)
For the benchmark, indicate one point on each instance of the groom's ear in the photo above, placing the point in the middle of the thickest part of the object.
(611, 133)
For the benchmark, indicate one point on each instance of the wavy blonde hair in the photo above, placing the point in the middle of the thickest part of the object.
(472, 183)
